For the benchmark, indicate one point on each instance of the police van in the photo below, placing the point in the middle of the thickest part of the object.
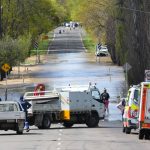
(131, 111)
(144, 111)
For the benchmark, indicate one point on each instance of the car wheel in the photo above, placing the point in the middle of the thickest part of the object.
(128, 130)
(67, 124)
(93, 120)
(141, 134)
(46, 122)
(123, 129)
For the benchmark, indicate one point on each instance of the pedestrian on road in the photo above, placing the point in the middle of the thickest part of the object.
(25, 105)
(121, 106)
(105, 98)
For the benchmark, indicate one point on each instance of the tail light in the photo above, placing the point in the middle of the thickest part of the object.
(129, 112)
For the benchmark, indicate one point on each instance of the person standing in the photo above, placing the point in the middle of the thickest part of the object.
(121, 106)
(105, 98)
(25, 105)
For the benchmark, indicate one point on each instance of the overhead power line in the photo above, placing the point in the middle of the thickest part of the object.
(135, 10)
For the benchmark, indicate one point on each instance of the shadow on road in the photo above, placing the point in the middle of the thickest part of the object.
(8, 134)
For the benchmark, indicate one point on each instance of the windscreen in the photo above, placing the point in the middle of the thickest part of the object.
(95, 94)
(136, 97)
(8, 107)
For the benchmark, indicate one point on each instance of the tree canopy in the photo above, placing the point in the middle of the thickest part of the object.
(22, 21)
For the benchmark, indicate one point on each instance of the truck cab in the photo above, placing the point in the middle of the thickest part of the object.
(85, 104)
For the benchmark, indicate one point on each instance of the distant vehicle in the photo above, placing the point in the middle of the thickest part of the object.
(59, 31)
(103, 51)
(67, 24)
(12, 116)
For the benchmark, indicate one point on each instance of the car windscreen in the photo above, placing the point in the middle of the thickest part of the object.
(136, 97)
(8, 107)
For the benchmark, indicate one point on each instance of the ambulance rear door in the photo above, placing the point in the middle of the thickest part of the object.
(147, 107)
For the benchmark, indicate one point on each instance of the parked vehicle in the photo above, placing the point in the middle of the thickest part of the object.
(102, 51)
(137, 110)
(69, 105)
(144, 111)
(12, 116)
(131, 111)
(59, 31)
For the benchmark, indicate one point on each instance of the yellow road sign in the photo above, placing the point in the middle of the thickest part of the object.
(5, 67)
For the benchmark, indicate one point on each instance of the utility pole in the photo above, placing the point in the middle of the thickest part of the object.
(1, 19)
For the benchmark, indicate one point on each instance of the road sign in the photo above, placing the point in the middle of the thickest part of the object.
(45, 37)
(147, 75)
(36, 45)
(99, 46)
(127, 67)
(6, 67)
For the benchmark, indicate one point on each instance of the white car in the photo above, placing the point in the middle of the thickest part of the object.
(12, 117)
(103, 51)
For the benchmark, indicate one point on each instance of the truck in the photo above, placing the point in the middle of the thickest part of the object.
(12, 116)
(67, 105)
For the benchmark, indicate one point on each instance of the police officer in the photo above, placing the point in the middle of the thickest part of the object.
(25, 105)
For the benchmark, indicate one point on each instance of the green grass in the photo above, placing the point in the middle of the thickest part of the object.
(43, 45)
(89, 43)
(42, 48)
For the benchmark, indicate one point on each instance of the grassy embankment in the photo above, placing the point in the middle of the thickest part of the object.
(89, 43)
(41, 50)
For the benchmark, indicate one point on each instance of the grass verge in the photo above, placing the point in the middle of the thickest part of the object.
(89, 43)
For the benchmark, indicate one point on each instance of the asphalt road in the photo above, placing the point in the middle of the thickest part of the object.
(68, 62)
(108, 136)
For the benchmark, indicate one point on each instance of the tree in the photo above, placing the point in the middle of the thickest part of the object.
(23, 21)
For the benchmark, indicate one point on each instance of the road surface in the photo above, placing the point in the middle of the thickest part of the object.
(108, 136)
(68, 63)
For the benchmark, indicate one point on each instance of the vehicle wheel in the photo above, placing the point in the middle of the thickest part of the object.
(147, 136)
(46, 122)
(123, 129)
(19, 132)
(40, 127)
(67, 124)
(92, 120)
(128, 130)
(141, 134)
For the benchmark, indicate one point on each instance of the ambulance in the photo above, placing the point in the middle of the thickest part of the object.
(131, 111)
(144, 111)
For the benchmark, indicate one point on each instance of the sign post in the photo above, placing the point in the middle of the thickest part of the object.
(6, 68)
(98, 47)
(37, 52)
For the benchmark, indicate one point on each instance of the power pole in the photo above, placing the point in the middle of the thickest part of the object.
(1, 19)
